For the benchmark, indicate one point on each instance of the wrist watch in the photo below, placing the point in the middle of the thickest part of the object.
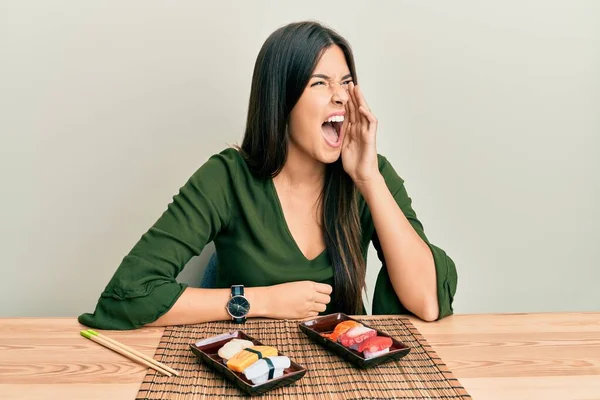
(238, 306)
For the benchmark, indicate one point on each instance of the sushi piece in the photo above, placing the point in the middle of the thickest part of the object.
(356, 335)
(263, 378)
(341, 328)
(249, 356)
(266, 369)
(375, 343)
(375, 346)
(368, 355)
(233, 347)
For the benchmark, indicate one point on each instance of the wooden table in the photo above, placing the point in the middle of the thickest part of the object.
(500, 356)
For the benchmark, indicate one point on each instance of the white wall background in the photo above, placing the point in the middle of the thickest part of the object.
(489, 110)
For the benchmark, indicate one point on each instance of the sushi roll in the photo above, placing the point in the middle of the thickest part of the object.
(233, 347)
(266, 369)
(356, 335)
(375, 346)
(341, 328)
(249, 356)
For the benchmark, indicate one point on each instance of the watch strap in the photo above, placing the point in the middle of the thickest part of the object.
(238, 290)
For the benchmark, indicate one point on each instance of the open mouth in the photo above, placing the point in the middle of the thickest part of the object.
(332, 129)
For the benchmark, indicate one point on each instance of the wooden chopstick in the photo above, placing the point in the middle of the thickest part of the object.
(128, 352)
(137, 353)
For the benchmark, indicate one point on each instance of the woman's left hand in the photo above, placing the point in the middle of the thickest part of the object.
(359, 151)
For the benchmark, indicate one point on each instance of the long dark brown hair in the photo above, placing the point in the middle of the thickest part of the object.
(282, 71)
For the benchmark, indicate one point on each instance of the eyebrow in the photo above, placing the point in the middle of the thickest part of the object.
(328, 78)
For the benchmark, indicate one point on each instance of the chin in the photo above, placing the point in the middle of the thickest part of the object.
(330, 157)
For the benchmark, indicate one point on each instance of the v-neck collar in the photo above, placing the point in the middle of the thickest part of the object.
(285, 224)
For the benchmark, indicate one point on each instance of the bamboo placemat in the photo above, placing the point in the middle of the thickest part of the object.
(419, 375)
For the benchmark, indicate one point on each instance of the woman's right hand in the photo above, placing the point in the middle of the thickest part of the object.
(296, 300)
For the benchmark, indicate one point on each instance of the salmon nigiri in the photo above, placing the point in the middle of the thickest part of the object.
(375, 346)
(341, 328)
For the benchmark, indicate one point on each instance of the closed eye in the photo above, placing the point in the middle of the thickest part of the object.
(347, 82)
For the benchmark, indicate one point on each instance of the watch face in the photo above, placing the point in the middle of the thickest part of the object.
(238, 306)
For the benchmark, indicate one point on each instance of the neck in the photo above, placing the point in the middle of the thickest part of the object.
(302, 171)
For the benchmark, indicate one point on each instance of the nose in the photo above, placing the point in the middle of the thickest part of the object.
(340, 94)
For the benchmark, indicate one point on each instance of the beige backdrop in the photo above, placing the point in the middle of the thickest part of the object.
(489, 110)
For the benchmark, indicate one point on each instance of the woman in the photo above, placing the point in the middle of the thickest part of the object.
(291, 212)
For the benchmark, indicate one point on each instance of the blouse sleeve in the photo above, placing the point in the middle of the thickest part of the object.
(385, 300)
(144, 286)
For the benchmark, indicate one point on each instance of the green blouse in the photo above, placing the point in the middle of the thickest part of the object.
(223, 202)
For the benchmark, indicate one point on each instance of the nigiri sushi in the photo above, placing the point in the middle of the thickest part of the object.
(233, 347)
(356, 335)
(341, 328)
(375, 346)
(249, 356)
(267, 368)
